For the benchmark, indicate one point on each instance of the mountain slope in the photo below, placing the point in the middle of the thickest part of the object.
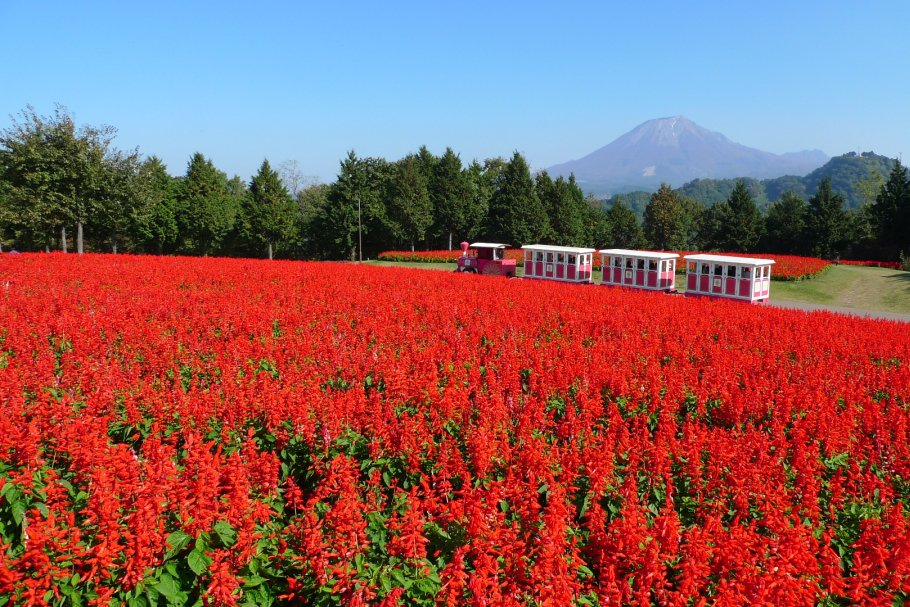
(676, 150)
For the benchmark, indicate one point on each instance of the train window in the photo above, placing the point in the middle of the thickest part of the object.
(549, 256)
(629, 263)
(640, 264)
(705, 268)
(571, 260)
(617, 262)
(560, 258)
(693, 267)
(539, 255)
(731, 271)
(746, 273)
(652, 265)
(718, 269)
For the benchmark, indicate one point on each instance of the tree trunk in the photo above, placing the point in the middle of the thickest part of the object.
(63, 239)
(114, 246)
(160, 247)
(79, 248)
(270, 251)
(412, 246)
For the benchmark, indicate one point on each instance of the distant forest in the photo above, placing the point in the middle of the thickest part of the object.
(68, 187)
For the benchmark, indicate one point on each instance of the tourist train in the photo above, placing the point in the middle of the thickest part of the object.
(707, 275)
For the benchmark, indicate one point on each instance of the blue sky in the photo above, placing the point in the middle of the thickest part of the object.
(308, 81)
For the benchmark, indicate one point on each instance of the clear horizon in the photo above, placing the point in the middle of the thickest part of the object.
(284, 81)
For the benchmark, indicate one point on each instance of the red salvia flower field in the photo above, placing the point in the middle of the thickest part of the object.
(234, 432)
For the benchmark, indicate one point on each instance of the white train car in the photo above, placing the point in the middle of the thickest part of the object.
(566, 264)
(742, 278)
(651, 270)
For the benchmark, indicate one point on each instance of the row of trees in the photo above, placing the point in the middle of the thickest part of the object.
(822, 227)
(55, 177)
(432, 202)
(59, 182)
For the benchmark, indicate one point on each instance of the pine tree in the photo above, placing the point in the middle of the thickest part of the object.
(739, 221)
(625, 231)
(827, 222)
(516, 214)
(206, 207)
(450, 194)
(665, 220)
(410, 207)
(785, 225)
(270, 212)
(156, 216)
(565, 206)
(891, 212)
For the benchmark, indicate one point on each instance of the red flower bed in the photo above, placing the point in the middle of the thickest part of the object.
(786, 267)
(242, 432)
(893, 265)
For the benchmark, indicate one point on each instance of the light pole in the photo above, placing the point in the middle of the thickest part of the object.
(359, 233)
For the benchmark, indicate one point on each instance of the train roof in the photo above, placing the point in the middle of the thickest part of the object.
(486, 245)
(557, 249)
(646, 254)
(743, 261)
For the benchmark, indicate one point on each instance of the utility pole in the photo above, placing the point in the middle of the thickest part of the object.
(359, 233)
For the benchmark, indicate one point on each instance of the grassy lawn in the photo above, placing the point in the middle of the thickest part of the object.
(853, 287)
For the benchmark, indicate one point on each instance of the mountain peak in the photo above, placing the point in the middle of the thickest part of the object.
(675, 150)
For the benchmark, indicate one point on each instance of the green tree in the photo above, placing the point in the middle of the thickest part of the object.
(156, 215)
(355, 210)
(207, 206)
(311, 202)
(451, 197)
(624, 229)
(480, 180)
(666, 222)
(786, 224)
(891, 212)
(565, 206)
(516, 213)
(827, 222)
(117, 201)
(410, 207)
(57, 175)
(269, 211)
(739, 221)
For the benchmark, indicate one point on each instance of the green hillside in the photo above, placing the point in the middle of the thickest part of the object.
(847, 172)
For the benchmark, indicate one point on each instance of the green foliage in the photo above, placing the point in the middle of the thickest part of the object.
(565, 206)
(55, 175)
(665, 221)
(206, 207)
(451, 197)
(890, 213)
(625, 232)
(845, 172)
(785, 225)
(713, 191)
(827, 221)
(737, 222)
(155, 214)
(410, 207)
(517, 215)
(355, 202)
(270, 214)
